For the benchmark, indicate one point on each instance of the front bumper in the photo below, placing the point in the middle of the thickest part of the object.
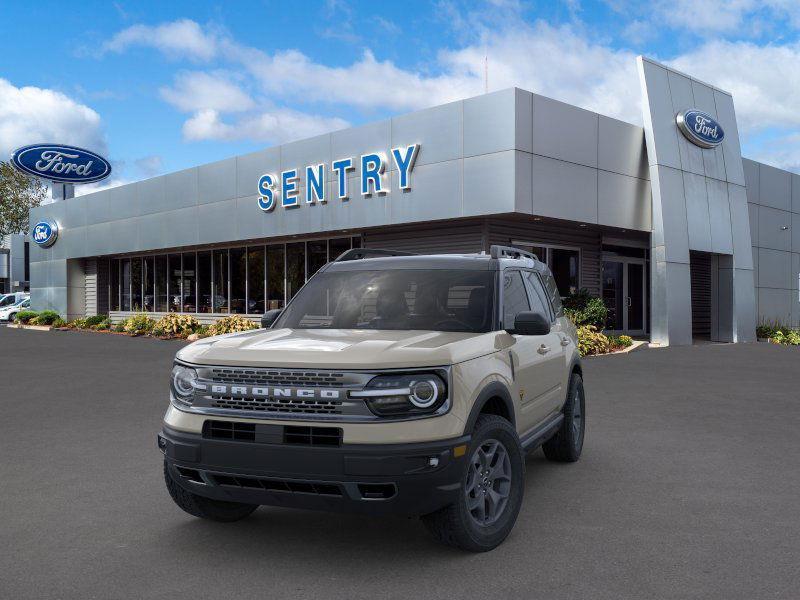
(381, 479)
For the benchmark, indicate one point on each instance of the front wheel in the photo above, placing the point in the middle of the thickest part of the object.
(566, 445)
(492, 488)
(205, 508)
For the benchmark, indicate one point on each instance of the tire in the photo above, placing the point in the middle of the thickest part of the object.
(456, 525)
(566, 445)
(205, 508)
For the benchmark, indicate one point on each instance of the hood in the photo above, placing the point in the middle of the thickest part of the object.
(339, 348)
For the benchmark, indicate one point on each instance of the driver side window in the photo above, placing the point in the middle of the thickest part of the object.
(515, 298)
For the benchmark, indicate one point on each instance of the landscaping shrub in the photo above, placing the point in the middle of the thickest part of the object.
(584, 309)
(46, 317)
(789, 337)
(24, 316)
(621, 341)
(176, 325)
(138, 324)
(59, 322)
(103, 325)
(231, 324)
(94, 320)
(591, 341)
(203, 331)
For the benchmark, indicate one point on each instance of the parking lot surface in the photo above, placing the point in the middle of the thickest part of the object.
(688, 488)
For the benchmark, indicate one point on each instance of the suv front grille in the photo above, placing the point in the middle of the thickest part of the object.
(269, 377)
(279, 405)
(230, 430)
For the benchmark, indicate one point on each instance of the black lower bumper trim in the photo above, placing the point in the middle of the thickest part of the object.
(401, 479)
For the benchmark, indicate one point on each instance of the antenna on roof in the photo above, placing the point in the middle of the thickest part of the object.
(486, 73)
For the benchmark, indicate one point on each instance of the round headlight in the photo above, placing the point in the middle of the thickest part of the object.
(423, 393)
(183, 379)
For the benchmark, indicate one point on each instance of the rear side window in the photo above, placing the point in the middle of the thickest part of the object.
(539, 301)
(552, 292)
(515, 298)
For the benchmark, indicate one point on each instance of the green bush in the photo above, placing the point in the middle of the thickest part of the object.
(103, 325)
(94, 320)
(138, 324)
(59, 322)
(119, 327)
(231, 324)
(788, 337)
(24, 316)
(46, 317)
(175, 324)
(591, 341)
(584, 309)
(621, 341)
(203, 331)
(768, 329)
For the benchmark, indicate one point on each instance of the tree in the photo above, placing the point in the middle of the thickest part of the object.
(18, 194)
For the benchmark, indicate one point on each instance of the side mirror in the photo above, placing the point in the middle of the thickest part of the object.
(270, 317)
(531, 323)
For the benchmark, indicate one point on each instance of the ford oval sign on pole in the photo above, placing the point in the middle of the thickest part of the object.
(44, 233)
(64, 164)
(700, 128)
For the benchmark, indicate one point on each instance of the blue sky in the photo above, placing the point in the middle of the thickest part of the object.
(159, 86)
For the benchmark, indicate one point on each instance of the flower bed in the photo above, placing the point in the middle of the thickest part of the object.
(171, 326)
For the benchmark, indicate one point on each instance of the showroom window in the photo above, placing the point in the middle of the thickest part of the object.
(241, 279)
(564, 262)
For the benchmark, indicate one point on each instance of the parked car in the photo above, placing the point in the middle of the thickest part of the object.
(8, 312)
(13, 298)
(390, 384)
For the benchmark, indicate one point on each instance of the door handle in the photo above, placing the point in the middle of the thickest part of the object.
(543, 349)
(628, 301)
(564, 341)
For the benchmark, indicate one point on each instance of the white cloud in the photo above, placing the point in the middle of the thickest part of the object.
(150, 166)
(181, 38)
(30, 114)
(278, 125)
(562, 62)
(764, 80)
(198, 90)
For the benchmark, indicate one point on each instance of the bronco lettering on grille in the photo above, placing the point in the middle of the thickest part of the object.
(275, 392)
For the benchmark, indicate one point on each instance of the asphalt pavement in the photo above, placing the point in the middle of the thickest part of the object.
(688, 487)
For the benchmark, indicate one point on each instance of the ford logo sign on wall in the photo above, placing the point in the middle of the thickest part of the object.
(65, 164)
(44, 233)
(700, 128)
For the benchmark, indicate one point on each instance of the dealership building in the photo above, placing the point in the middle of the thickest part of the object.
(681, 236)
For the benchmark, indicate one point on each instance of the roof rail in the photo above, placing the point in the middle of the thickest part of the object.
(361, 253)
(510, 252)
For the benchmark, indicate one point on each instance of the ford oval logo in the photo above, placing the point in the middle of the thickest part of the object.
(44, 233)
(65, 164)
(700, 128)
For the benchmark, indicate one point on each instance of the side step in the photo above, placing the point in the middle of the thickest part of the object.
(541, 433)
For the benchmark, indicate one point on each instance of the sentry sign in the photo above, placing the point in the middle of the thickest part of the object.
(284, 189)
(64, 164)
(700, 128)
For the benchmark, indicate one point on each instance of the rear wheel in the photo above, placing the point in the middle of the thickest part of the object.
(205, 508)
(491, 490)
(566, 445)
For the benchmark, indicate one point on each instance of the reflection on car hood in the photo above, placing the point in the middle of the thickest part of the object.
(339, 348)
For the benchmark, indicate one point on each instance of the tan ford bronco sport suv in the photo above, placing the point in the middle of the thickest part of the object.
(390, 384)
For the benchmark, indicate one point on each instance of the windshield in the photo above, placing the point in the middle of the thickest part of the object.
(435, 300)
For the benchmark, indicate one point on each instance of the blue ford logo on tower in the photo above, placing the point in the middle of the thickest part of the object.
(65, 164)
(44, 233)
(700, 128)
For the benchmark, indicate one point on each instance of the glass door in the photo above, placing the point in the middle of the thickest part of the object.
(625, 294)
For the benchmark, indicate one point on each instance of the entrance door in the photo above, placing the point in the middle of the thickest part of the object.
(625, 294)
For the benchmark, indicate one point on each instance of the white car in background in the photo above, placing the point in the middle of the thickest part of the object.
(13, 298)
(7, 313)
